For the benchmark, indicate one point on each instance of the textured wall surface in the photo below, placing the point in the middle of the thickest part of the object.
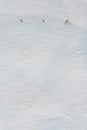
(43, 65)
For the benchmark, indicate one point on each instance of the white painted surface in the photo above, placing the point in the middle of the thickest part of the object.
(43, 66)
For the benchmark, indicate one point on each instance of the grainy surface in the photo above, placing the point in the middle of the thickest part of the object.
(43, 65)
